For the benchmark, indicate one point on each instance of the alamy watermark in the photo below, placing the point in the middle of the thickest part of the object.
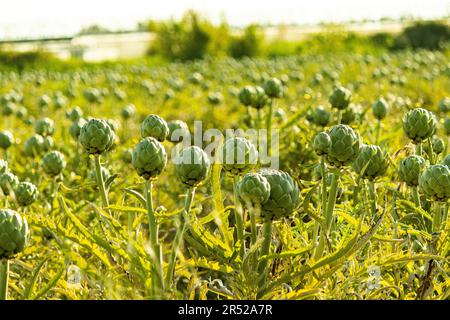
(219, 147)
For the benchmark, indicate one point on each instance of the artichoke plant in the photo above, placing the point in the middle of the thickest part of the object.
(53, 163)
(191, 166)
(6, 139)
(419, 124)
(149, 158)
(8, 182)
(372, 162)
(321, 116)
(380, 108)
(178, 131)
(26, 193)
(254, 188)
(434, 182)
(260, 98)
(345, 145)
(14, 236)
(284, 195)
(410, 168)
(322, 143)
(444, 105)
(154, 126)
(238, 156)
(96, 136)
(340, 98)
(128, 111)
(34, 145)
(247, 95)
(273, 88)
(45, 127)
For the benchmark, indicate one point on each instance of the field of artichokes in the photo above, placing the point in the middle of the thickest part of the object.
(101, 200)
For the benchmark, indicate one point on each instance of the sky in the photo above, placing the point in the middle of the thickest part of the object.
(37, 18)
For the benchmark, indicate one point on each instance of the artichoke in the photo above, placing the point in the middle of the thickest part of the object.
(260, 98)
(253, 188)
(321, 116)
(434, 182)
(410, 168)
(284, 195)
(8, 182)
(178, 131)
(444, 105)
(96, 136)
(380, 108)
(371, 162)
(238, 156)
(6, 139)
(128, 111)
(340, 98)
(419, 124)
(191, 166)
(53, 163)
(273, 88)
(149, 158)
(75, 128)
(345, 145)
(322, 143)
(45, 127)
(34, 145)
(437, 144)
(14, 233)
(74, 114)
(154, 126)
(26, 193)
(246, 95)
(447, 126)
(348, 115)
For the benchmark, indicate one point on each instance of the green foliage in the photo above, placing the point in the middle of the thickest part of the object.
(431, 35)
(249, 44)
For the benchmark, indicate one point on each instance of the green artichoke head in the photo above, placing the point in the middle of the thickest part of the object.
(128, 111)
(340, 98)
(260, 98)
(8, 182)
(178, 131)
(45, 127)
(322, 143)
(444, 105)
(446, 160)
(246, 95)
(345, 145)
(238, 156)
(321, 116)
(419, 124)
(434, 182)
(149, 158)
(437, 144)
(96, 136)
(410, 168)
(26, 193)
(74, 114)
(380, 108)
(284, 195)
(371, 163)
(53, 163)
(191, 166)
(254, 189)
(6, 139)
(348, 115)
(34, 145)
(274, 88)
(14, 233)
(154, 126)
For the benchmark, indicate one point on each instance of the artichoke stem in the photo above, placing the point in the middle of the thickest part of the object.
(430, 151)
(377, 136)
(158, 280)
(265, 250)
(4, 271)
(373, 198)
(269, 125)
(331, 202)
(437, 211)
(238, 217)
(416, 197)
(101, 182)
(419, 149)
(179, 235)
(259, 120)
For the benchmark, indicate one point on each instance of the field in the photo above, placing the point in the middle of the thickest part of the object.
(110, 214)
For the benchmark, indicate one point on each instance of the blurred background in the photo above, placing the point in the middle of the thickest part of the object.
(98, 31)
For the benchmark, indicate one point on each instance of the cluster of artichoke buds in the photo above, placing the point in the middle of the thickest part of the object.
(274, 192)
